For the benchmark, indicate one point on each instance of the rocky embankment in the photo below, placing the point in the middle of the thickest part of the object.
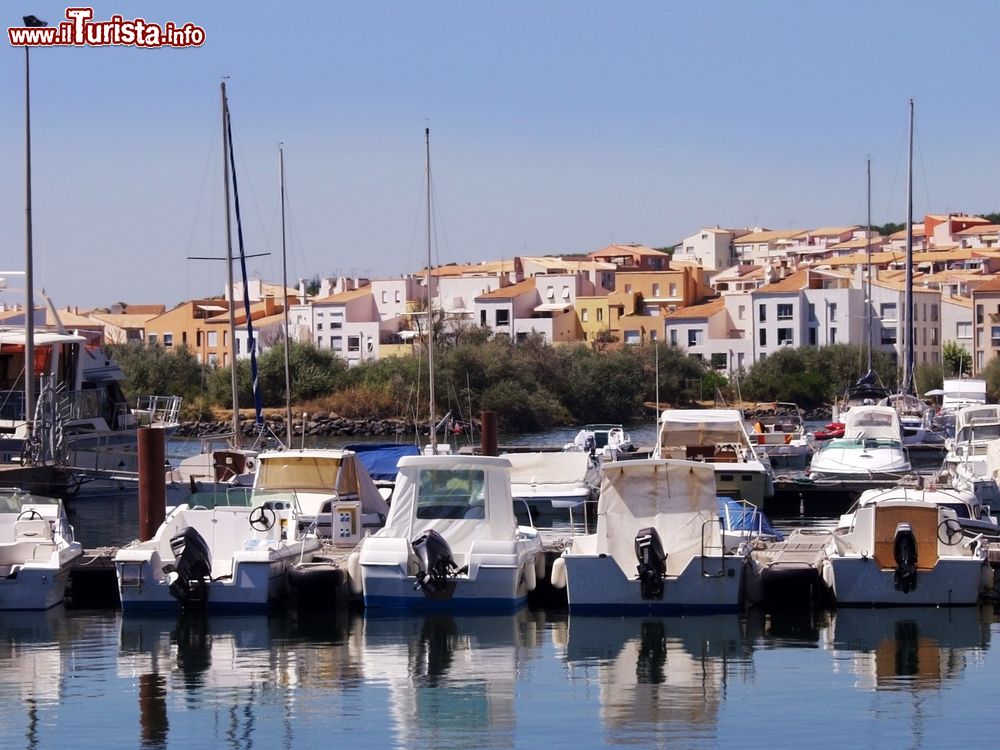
(316, 425)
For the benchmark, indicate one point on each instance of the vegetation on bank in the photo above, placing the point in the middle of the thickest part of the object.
(531, 385)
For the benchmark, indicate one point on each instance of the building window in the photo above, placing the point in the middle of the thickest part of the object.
(812, 337)
(694, 337)
(653, 338)
(584, 315)
(673, 337)
(888, 334)
(239, 346)
(628, 289)
(833, 311)
(995, 336)
(600, 314)
(319, 326)
(763, 336)
(833, 335)
(337, 343)
(151, 337)
(197, 339)
(673, 290)
(719, 361)
(979, 315)
(741, 312)
(812, 311)
(656, 289)
(762, 313)
(397, 295)
(503, 317)
(213, 338)
(168, 339)
(784, 337)
(963, 330)
(784, 312)
(482, 318)
(353, 343)
(934, 313)
(319, 342)
(631, 338)
(385, 296)
(887, 311)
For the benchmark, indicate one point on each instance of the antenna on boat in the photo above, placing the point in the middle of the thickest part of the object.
(237, 438)
(430, 314)
(284, 298)
(908, 332)
(868, 248)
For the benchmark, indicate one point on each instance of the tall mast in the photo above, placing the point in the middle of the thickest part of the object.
(430, 314)
(29, 280)
(908, 332)
(284, 297)
(868, 247)
(237, 439)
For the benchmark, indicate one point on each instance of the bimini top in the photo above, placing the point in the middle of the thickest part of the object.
(683, 427)
(878, 422)
(549, 468)
(675, 497)
(461, 497)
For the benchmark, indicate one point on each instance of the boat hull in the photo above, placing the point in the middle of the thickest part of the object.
(860, 581)
(35, 588)
(595, 584)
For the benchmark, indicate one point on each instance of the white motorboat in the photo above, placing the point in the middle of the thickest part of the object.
(609, 440)
(975, 428)
(905, 551)
(719, 438)
(916, 419)
(333, 491)
(37, 550)
(224, 557)
(974, 516)
(553, 483)
(658, 546)
(779, 430)
(871, 448)
(451, 541)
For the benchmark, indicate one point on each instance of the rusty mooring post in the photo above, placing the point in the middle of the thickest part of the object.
(488, 433)
(152, 481)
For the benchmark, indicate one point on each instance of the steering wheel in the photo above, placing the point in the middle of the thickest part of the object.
(950, 531)
(262, 518)
(29, 515)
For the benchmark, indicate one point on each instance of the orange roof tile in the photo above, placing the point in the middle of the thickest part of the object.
(792, 283)
(766, 236)
(992, 284)
(510, 292)
(703, 310)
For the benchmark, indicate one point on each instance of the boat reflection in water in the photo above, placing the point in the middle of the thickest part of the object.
(909, 649)
(662, 681)
(452, 680)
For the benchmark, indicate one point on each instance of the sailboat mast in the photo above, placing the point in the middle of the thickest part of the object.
(29, 280)
(430, 314)
(284, 297)
(908, 332)
(868, 248)
(237, 440)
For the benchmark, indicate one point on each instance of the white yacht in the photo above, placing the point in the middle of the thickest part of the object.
(451, 541)
(902, 550)
(609, 440)
(780, 432)
(975, 428)
(871, 448)
(224, 557)
(37, 550)
(719, 438)
(658, 547)
(545, 484)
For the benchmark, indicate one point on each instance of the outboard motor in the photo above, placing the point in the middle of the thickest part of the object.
(188, 577)
(652, 563)
(436, 577)
(904, 552)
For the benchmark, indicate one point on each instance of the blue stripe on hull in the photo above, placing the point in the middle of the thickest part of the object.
(651, 608)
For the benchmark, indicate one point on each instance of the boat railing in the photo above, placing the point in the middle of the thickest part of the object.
(712, 553)
(158, 410)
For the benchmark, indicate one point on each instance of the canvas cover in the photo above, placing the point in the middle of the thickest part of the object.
(684, 427)
(675, 497)
(319, 470)
(977, 423)
(549, 468)
(381, 459)
(478, 486)
(959, 392)
(878, 422)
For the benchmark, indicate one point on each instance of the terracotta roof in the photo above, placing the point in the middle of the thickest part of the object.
(767, 236)
(961, 301)
(569, 265)
(792, 283)
(347, 296)
(704, 310)
(131, 309)
(858, 242)
(828, 231)
(979, 229)
(879, 258)
(958, 217)
(616, 249)
(510, 292)
(124, 320)
(990, 285)
(918, 231)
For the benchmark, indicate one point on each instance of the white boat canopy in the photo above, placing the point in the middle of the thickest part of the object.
(677, 498)
(878, 422)
(548, 468)
(682, 427)
(463, 498)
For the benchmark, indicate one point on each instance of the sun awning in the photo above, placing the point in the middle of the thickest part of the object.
(553, 307)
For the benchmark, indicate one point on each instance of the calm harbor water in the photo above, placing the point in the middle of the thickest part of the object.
(892, 678)
(868, 678)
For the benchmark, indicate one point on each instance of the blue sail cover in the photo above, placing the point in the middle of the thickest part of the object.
(738, 517)
(380, 459)
(258, 402)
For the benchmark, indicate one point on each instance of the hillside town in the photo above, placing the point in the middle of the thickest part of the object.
(728, 296)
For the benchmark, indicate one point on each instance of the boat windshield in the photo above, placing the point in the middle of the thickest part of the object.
(315, 473)
(13, 500)
(452, 493)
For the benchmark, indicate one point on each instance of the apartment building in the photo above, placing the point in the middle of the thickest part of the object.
(710, 248)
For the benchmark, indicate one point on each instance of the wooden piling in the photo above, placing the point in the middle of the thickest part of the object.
(152, 481)
(488, 431)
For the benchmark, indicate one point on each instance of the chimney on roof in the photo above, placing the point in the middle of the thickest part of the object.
(302, 291)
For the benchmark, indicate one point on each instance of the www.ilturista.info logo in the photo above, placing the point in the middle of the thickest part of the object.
(80, 30)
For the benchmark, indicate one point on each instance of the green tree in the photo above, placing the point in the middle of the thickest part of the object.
(957, 360)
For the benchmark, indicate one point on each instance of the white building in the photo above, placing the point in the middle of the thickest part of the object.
(710, 248)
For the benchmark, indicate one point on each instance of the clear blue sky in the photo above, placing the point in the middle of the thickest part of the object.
(555, 127)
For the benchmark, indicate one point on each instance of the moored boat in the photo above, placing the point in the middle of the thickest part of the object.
(871, 448)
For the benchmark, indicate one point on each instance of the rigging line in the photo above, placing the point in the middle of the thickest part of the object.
(209, 161)
(418, 215)
(304, 264)
(253, 195)
(892, 191)
(439, 224)
(923, 168)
